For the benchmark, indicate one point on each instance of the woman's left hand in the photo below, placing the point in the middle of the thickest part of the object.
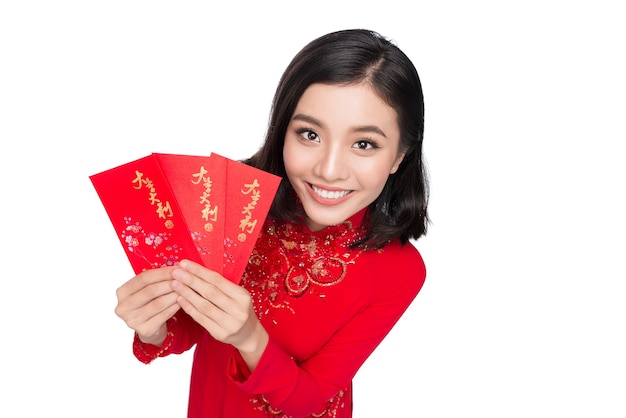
(222, 307)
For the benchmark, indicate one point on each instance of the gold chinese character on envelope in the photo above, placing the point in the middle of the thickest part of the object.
(166, 207)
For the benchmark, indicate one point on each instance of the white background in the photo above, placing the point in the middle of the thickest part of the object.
(523, 311)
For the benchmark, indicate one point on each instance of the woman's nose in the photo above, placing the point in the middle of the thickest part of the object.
(332, 164)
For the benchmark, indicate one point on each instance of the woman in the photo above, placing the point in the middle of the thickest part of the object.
(333, 269)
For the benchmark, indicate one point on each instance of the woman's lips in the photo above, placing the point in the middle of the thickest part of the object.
(328, 196)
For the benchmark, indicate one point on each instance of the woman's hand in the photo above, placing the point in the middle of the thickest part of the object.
(223, 308)
(146, 301)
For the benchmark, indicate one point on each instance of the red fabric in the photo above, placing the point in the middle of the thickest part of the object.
(325, 307)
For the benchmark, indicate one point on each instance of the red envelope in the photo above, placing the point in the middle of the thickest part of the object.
(200, 190)
(145, 214)
(166, 207)
(250, 195)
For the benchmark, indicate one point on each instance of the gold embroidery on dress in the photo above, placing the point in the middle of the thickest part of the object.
(333, 405)
(289, 261)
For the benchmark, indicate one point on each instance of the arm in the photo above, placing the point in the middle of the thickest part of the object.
(303, 388)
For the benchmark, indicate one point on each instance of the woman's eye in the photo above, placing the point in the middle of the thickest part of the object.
(308, 135)
(365, 144)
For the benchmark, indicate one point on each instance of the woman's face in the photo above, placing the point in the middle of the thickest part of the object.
(341, 145)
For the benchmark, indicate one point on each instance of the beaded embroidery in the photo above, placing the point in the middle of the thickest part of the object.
(289, 261)
(333, 406)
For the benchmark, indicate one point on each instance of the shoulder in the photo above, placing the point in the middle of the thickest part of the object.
(400, 265)
(407, 252)
(398, 256)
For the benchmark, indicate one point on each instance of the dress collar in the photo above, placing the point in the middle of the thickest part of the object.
(352, 223)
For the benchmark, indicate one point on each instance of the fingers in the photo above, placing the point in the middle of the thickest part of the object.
(146, 319)
(208, 284)
(147, 300)
(219, 305)
(149, 296)
(151, 328)
(209, 276)
(200, 298)
(144, 279)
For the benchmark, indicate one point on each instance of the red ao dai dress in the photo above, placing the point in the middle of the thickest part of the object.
(326, 307)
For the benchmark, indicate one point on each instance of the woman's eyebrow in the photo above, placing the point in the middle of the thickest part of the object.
(369, 129)
(358, 129)
(308, 119)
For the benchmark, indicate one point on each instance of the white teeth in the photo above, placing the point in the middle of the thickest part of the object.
(328, 194)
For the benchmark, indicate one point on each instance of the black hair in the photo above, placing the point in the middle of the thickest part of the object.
(350, 57)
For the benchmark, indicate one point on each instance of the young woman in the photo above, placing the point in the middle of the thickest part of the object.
(333, 269)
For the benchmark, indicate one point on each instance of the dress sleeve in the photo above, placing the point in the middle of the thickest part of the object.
(304, 388)
(182, 333)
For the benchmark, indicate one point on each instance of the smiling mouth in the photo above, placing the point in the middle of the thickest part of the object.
(330, 194)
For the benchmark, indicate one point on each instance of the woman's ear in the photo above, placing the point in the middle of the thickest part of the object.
(397, 163)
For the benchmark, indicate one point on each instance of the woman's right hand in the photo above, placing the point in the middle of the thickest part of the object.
(146, 302)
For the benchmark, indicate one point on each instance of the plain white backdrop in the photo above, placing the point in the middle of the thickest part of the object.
(523, 311)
